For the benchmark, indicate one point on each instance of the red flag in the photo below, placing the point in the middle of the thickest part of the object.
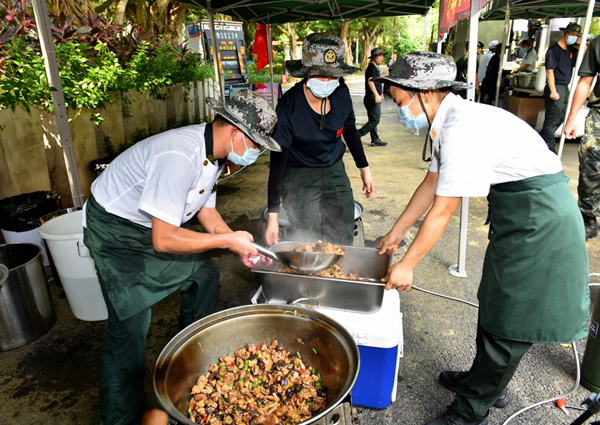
(260, 48)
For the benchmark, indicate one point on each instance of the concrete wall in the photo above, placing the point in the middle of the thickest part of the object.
(32, 158)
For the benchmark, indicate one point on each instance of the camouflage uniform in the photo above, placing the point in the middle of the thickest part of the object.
(588, 188)
(134, 277)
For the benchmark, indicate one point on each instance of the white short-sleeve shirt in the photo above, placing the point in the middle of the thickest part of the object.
(478, 146)
(166, 176)
(530, 59)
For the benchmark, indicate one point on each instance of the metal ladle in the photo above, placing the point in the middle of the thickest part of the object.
(302, 261)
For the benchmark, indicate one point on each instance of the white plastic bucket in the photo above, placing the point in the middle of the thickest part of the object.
(75, 266)
(29, 236)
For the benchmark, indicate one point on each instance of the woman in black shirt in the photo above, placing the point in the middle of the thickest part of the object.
(309, 174)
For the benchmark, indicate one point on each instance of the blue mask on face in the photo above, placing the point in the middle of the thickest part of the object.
(409, 121)
(322, 89)
(248, 157)
(572, 39)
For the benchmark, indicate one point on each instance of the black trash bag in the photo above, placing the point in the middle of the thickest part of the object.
(21, 213)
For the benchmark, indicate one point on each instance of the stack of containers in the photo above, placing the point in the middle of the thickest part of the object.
(380, 342)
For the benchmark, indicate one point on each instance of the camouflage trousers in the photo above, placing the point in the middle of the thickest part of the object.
(588, 189)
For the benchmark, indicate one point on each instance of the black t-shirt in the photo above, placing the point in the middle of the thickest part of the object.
(372, 72)
(562, 62)
(298, 127)
(590, 67)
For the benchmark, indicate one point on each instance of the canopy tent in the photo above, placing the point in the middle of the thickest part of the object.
(537, 9)
(280, 12)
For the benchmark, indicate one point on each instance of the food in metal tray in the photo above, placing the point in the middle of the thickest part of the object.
(264, 385)
(319, 246)
(334, 272)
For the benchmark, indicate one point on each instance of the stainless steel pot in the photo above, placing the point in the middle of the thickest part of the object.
(26, 311)
(189, 353)
(525, 81)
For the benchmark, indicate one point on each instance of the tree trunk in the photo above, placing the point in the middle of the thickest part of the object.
(175, 16)
(291, 32)
(119, 17)
(141, 15)
(345, 36)
(161, 21)
(367, 41)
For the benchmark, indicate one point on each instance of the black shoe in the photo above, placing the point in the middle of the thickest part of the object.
(450, 417)
(591, 226)
(378, 142)
(451, 379)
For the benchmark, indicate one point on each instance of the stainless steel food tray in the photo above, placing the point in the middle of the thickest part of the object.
(341, 294)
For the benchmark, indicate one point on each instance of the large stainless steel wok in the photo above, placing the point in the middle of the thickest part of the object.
(190, 352)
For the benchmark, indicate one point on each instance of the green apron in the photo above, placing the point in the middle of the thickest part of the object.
(319, 204)
(133, 274)
(534, 286)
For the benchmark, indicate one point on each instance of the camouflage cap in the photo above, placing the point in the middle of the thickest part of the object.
(252, 114)
(423, 71)
(323, 55)
(572, 27)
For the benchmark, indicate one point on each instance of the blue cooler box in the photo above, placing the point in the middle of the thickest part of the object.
(380, 342)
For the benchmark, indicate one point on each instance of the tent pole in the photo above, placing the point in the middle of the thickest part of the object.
(507, 29)
(575, 77)
(40, 11)
(459, 270)
(213, 35)
(270, 52)
(472, 64)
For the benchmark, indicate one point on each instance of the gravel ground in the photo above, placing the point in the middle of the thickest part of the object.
(54, 379)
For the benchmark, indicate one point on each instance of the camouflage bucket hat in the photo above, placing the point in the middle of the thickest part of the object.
(423, 71)
(252, 114)
(323, 55)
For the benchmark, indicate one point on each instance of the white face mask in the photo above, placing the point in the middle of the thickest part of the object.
(321, 88)
(248, 157)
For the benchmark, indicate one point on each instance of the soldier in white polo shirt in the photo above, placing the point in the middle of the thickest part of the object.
(133, 230)
(534, 286)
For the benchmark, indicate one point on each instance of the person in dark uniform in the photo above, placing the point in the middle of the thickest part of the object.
(132, 227)
(490, 82)
(462, 66)
(560, 61)
(309, 175)
(534, 285)
(372, 99)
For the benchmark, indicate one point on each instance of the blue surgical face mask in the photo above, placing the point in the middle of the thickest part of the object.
(322, 88)
(572, 39)
(409, 121)
(248, 157)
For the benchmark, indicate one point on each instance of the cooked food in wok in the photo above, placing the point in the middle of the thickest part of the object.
(334, 272)
(319, 246)
(257, 385)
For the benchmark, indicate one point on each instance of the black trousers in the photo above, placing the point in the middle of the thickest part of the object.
(373, 115)
(555, 114)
